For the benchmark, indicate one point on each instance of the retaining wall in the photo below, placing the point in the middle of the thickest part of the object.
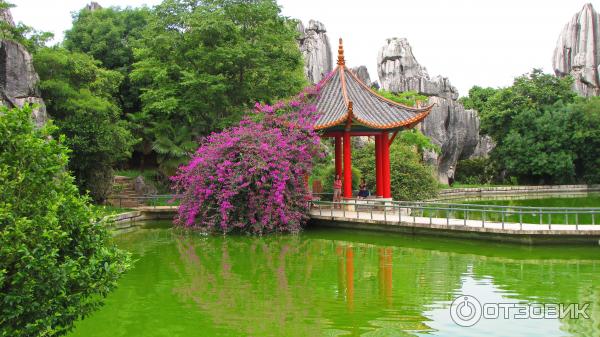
(530, 237)
(507, 190)
(130, 220)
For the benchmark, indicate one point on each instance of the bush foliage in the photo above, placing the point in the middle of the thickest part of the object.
(475, 171)
(411, 179)
(252, 177)
(202, 64)
(56, 259)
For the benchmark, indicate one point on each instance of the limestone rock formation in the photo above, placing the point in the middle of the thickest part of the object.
(92, 6)
(316, 50)
(6, 16)
(450, 125)
(363, 74)
(18, 79)
(577, 51)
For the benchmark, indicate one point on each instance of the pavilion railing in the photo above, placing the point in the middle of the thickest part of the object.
(459, 214)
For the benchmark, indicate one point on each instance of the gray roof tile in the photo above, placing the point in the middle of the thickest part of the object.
(368, 108)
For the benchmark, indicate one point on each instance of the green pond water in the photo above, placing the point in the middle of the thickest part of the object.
(579, 200)
(338, 283)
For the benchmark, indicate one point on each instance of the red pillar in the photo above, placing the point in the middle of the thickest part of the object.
(385, 144)
(347, 166)
(378, 166)
(338, 155)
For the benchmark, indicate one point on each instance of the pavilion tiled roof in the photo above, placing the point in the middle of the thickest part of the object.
(344, 97)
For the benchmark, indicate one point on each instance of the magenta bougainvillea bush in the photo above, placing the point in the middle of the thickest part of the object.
(252, 177)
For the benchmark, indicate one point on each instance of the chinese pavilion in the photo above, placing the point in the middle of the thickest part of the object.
(348, 107)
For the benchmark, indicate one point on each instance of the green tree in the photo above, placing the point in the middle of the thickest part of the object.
(478, 98)
(109, 36)
(79, 96)
(528, 123)
(57, 262)
(584, 123)
(202, 63)
(531, 92)
(538, 147)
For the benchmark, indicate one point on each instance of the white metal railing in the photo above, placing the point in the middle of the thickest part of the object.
(453, 212)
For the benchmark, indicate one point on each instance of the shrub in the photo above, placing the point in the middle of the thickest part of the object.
(56, 259)
(251, 177)
(474, 171)
(410, 178)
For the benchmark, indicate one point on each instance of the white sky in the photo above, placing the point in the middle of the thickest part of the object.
(473, 42)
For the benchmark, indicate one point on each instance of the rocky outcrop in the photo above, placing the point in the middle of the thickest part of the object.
(18, 79)
(93, 6)
(450, 125)
(6, 16)
(316, 50)
(577, 51)
(363, 74)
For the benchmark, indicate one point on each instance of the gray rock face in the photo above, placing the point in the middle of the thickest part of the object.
(363, 74)
(399, 71)
(577, 51)
(6, 16)
(316, 50)
(92, 6)
(450, 125)
(144, 188)
(18, 79)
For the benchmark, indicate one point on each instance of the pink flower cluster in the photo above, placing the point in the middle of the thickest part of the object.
(252, 177)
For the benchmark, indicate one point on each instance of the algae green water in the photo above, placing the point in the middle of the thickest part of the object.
(338, 283)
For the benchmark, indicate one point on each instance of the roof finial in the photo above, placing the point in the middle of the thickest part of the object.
(341, 61)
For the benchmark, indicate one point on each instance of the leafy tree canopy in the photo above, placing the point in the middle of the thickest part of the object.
(56, 260)
(478, 98)
(202, 63)
(585, 122)
(531, 92)
(109, 36)
(530, 122)
(79, 96)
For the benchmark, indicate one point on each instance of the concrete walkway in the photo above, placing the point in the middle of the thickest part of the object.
(402, 222)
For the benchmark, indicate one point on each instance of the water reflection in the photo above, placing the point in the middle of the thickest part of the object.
(338, 283)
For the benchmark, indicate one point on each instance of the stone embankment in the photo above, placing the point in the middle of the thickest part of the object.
(131, 220)
(512, 190)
